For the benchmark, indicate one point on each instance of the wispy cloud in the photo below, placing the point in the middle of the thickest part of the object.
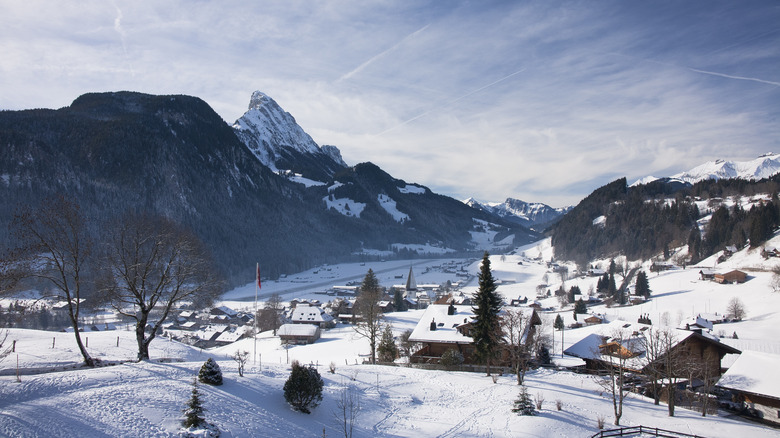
(542, 101)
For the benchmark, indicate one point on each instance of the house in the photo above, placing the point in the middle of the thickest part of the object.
(661, 266)
(707, 274)
(754, 385)
(729, 250)
(444, 327)
(309, 314)
(696, 323)
(731, 277)
(298, 334)
(600, 349)
(770, 251)
(593, 272)
(592, 320)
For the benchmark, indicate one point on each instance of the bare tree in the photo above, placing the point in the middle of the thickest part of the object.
(518, 337)
(55, 246)
(5, 350)
(672, 367)
(615, 355)
(241, 358)
(347, 409)
(736, 309)
(269, 318)
(368, 311)
(654, 354)
(151, 265)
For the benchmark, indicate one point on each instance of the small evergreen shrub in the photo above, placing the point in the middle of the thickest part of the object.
(303, 389)
(193, 415)
(210, 373)
(524, 405)
(451, 358)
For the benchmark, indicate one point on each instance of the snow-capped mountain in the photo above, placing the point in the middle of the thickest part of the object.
(277, 140)
(764, 166)
(528, 214)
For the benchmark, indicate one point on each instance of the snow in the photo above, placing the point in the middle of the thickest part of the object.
(750, 373)
(345, 206)
(389, 205)
(56, 397)
(415, 189)
(761, 167)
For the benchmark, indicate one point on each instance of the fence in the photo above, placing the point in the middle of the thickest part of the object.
(635, 430)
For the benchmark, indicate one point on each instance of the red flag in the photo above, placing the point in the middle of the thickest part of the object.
(258, 276)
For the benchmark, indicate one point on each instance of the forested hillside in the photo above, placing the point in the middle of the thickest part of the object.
(649, 219)
(173, 156)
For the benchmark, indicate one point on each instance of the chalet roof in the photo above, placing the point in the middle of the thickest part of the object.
(297, 330)
(446, 325)
(309, 314)
(754, 372)
(633, 340)
(695, 322)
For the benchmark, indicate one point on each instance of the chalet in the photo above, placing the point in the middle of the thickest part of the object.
(445, 327)
(298, 334)
(731, 277)
(308, 314)
(729, 250)
(754, 385)
(707, 274)
(224, 310)
(696, 323)
(770, 251)
(661, 266)
(592, 320)
(593, 272)
(602, 349)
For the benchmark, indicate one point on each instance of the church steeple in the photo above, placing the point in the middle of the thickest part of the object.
(411, 284)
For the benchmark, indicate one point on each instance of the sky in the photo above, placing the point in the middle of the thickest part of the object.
(542, 101)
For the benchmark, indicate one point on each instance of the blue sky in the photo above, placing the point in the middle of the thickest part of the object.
(542, 101)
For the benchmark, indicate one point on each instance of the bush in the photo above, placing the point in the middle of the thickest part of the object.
(451, 358)
(210, 373)
(193, 415)
(303, 389)
(524, 405)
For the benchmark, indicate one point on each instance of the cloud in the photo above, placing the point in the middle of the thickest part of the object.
(542, 101)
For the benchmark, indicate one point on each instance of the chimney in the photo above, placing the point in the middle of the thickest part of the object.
(433, 325)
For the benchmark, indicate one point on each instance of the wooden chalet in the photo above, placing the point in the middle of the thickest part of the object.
(754, 385)
(731, 277)
(601, 350)
(298, 334)
(444, 327)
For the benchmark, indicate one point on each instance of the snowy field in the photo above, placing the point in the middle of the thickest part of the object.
(54, 398)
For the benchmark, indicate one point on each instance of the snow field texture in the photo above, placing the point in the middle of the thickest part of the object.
(147, 399)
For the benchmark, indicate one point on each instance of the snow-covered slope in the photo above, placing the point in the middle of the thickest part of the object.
(277, 140)
(762, 167)
(526, 213)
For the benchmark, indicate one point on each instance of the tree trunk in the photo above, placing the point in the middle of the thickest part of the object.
(88, 360)
(140, 332)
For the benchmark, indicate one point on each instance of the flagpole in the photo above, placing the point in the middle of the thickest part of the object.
(257, 280)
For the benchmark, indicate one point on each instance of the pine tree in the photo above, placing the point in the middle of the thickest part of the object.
(487, 305)
(524, 405)
(558, 324)
(543, 355)
(210, 373)
(193, 415)
(580, 307)
(642, 287)
(399, 302)
(303, 389)
(387, 349)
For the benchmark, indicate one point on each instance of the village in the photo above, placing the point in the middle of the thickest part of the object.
(428, 305)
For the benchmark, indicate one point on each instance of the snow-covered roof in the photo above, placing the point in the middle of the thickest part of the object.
(446, 325)
(309, 314)
(297, 330)
(754, 372)
(695, 322)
